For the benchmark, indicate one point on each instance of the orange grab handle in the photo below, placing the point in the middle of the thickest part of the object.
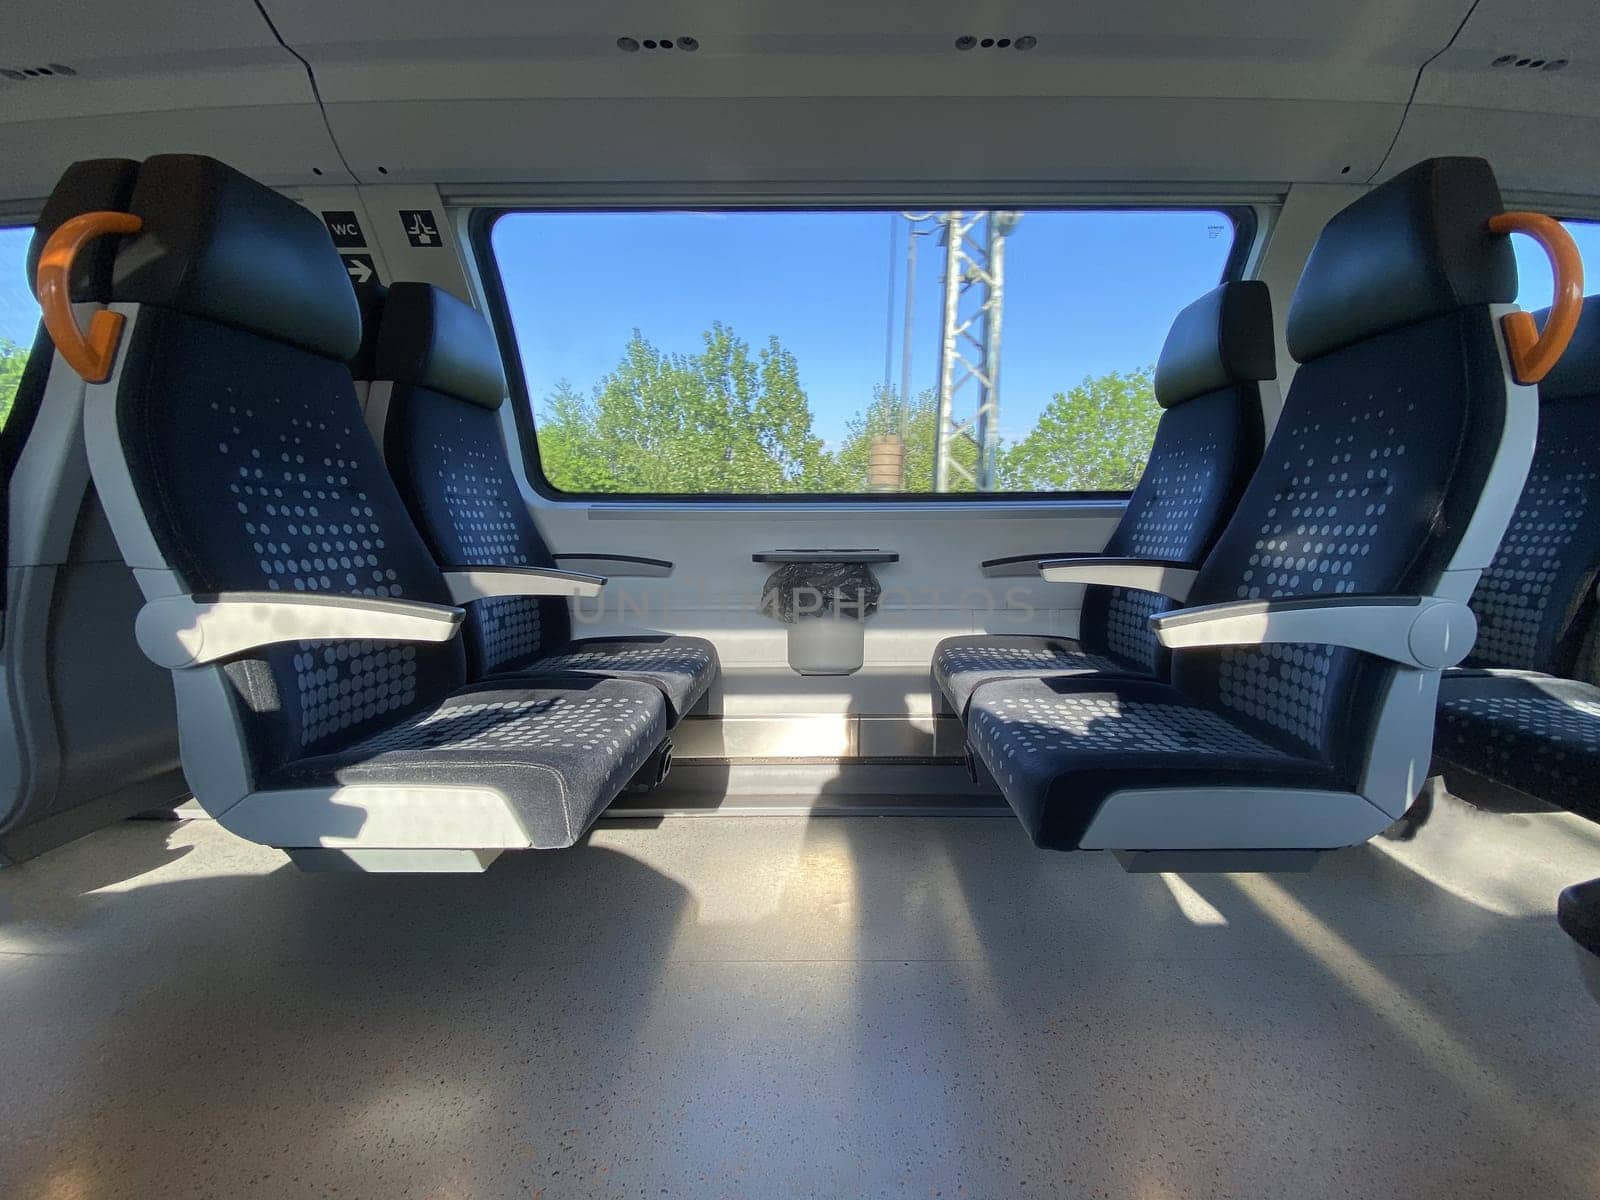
(89, 354)
(1533, 353)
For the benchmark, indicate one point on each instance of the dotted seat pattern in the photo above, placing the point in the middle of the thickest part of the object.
(1525, 730)
(558, 748)
(962, 664)
(256, 473)
(1204, 452)
(449, 460)
(1373, 472)
(1538, 593)
(1058, 747)
(681, 668)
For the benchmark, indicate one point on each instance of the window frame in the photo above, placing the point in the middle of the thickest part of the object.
(16, 425)
(1244, 217)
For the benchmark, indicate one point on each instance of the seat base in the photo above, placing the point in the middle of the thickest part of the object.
(963, 664)
(1103, 764)
(1532, 733)
(683, 668)
(1155, 862)
(510, 763)
(392, 862)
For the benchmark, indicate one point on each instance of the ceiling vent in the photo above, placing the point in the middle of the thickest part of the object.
(48, 71)
(1529, 62)
(968, 42)
(634, 45)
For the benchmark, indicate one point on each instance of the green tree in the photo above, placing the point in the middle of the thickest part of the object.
(1096, 437)
(722, 420)
(12, 359)
(883, 417)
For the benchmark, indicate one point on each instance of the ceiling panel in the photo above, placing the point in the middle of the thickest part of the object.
(1359, 49)
(1534, 152)
(845, 140)
(173, 75)
(1475, 71)
(277, 144)
(1116, 90)
(1540, 128)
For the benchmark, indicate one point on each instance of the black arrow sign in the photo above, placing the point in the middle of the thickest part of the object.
(361, 267)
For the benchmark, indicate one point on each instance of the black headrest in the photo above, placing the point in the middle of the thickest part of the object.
(217, 244)
(1223, 338)
(370, 298)
(430, 339)
(1416, 247)
(1577, 373)
(94, 185)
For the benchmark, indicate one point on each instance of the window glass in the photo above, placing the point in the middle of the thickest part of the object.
(19, 315)
(765, 353)
(1534, 282)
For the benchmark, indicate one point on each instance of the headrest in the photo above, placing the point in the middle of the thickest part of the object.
(216, 244)
(430, 339)
(1416, 247)
(370, 298)
(1577, 372)
(1223, 338)
(94, 185)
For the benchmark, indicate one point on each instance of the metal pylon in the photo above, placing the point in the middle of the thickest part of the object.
(969, 352)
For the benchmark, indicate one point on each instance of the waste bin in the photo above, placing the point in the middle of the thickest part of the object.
(825, 605)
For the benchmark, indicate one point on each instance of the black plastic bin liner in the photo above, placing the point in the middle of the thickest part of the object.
(821, 589)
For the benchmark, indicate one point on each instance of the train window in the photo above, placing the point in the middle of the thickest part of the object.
(784, 353)
(1534, 282)
(19, 315)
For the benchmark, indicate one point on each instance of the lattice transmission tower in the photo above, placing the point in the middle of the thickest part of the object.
(969, 346)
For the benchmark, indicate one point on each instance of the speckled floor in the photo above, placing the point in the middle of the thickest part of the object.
(770, 1007)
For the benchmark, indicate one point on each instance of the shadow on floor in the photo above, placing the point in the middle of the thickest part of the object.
(773, 1006)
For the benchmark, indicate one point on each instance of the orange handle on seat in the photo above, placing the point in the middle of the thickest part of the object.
(1533, 353)
(89, 354)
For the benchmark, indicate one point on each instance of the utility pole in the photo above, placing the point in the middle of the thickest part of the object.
(969, 344)
(914, 231)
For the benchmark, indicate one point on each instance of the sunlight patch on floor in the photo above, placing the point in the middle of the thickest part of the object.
(1404, 1014)
(1195, 907)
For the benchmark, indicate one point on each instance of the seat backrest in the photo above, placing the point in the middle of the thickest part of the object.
(76, 753)
(370, 297)
(1537, 597)
(1207, 443)
(1394, 465)
(434, 406)
(100, 184)
(231, 455)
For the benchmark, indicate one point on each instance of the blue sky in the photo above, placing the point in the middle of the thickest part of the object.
(1085, 293)
(19, 314)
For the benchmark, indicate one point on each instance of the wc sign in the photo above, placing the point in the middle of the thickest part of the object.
(421, 229)
(344, 228)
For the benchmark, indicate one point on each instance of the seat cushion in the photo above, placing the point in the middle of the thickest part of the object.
(559, 748)
(963, 664)
(1537, 733)
(1058, 747)
(681, 667)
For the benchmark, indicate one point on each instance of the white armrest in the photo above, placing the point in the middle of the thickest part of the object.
(1170, 579)
(485, 583)
(1028, 564)
(1425, 632)
(191, 631)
